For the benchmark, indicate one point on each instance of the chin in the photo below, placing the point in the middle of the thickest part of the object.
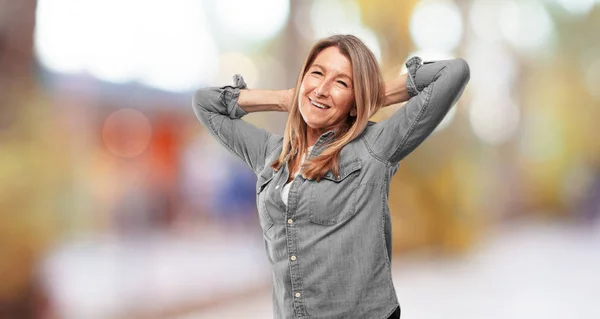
(314, 124)
(310, 119)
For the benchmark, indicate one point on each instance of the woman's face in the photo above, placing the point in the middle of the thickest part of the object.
(326, 94)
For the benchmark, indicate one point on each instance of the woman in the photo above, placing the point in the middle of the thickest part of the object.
(323, 187)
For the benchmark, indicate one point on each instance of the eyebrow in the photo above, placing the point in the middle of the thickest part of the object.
(341, 74)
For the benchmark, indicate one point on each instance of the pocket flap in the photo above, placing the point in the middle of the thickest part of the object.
(344, 170)
(263, 181)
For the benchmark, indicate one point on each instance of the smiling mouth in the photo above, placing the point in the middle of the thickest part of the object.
(319, 105)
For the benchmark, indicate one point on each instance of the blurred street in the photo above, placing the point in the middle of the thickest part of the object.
(522, 271)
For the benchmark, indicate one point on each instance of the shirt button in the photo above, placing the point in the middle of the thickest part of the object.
(277, 187)
(290, 221)
(297, 295)
(293, 258)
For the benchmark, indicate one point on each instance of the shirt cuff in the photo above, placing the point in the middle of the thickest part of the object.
(412, 65)
(230, 97)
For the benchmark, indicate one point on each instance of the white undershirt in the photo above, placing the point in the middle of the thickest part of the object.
(285, 191)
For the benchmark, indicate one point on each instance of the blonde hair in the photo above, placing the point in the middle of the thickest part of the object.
(368, 98)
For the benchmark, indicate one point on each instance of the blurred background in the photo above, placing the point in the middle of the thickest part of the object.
(116, 203)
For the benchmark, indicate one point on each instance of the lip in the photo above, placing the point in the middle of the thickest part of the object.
(312, 100)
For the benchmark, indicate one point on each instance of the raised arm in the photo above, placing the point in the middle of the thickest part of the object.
(396, 90)
(220, 111)
(433, 88)
(265, 100)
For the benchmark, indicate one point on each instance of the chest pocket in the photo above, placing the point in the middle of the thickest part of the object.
(262, 185)
(332, 198)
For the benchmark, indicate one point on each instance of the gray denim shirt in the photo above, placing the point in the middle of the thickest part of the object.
(330, 246)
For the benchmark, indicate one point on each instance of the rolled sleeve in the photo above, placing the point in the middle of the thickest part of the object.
(434, 88)
(230, 96)
(412, 65)
(218, 110)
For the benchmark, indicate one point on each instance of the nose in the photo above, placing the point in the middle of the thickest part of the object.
(322, 89)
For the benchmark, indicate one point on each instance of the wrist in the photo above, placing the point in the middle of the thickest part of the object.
(286, 98)
(396, 91)
(281, 99)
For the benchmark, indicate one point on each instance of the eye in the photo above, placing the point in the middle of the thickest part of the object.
(317, 72)
(342, 83)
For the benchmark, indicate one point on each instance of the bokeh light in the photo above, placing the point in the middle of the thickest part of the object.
(126, 132)
(102, 38)
(577, 7)
(527, 26)
(232, 63)
(246, 20)
(493, 114)
(436, 25)
(493, 70)
(329, 16)
(493, 123)
(484, 20)
(340, 17)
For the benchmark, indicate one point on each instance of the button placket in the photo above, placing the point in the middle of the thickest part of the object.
(292, 249)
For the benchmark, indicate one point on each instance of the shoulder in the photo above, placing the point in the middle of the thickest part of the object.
(274, 146)
(368, 129)
(365, 141)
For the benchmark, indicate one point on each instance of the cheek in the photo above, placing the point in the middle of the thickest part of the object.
(344, 100)
(304, 88)
(306, 85)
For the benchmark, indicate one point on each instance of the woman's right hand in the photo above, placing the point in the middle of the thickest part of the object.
(287, 100)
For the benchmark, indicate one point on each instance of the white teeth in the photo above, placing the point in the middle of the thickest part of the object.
(321, 106)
